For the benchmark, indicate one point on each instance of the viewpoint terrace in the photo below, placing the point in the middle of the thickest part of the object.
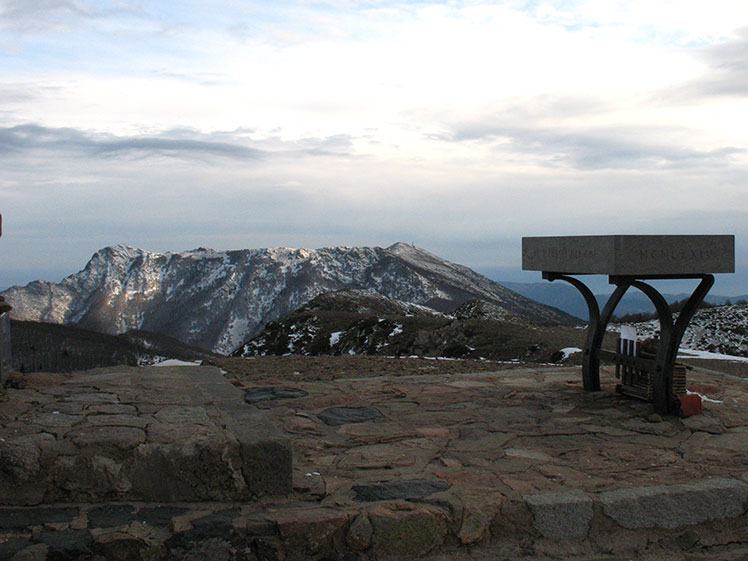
(516, 464)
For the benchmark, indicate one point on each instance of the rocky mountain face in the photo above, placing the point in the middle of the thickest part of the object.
(357, 322)
(218, 299)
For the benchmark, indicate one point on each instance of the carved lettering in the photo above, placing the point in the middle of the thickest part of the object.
(564, 253)
(671, 255)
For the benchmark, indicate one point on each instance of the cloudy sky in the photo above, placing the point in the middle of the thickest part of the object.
(460, 126)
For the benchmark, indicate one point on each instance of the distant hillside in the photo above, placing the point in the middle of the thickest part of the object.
(719, 329)
(357, 322)
(218, 299)
(45, 347)
(565, 297)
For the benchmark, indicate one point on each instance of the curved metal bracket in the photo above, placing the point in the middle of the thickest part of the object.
(686, 314)
(662, 380)
(598, 322)
(671, 333)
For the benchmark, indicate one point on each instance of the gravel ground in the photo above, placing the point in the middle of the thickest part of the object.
(310, 368)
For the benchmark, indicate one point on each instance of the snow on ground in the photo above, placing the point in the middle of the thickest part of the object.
(690, 353)
(335, 337)
(704, 397)
(570, 351)
(175, 362)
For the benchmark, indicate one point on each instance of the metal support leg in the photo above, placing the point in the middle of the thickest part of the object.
(662, 378)
(671, 334)
(686, 314)
(605, 316)
(596, 328)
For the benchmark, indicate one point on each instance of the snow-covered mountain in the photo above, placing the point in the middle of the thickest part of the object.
(719, 329)
(218, 299)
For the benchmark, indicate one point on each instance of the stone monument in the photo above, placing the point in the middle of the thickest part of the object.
(629, 260)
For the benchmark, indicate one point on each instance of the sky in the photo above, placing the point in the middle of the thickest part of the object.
(459, 126)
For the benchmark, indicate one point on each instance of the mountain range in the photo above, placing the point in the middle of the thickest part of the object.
(567, 298)
(217, 300)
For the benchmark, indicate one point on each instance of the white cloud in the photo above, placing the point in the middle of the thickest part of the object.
(44, 16)
(310, 123)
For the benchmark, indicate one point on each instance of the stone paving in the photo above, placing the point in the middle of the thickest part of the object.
(164, 434)
(520, 464)
(506, 434)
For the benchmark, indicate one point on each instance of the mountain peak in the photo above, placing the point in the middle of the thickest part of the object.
(120, 253)
(413, 253)
(403, 247)
(398, 245)
(123, 250)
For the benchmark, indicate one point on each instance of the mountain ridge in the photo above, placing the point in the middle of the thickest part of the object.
(218, 299)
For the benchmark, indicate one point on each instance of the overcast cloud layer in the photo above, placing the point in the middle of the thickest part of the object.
(460, 126)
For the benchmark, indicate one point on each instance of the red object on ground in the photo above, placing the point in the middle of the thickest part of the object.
(690, 404)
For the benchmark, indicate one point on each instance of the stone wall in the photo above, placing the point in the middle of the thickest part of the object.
(700, 521)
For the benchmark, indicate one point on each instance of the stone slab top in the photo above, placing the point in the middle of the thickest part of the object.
(630, 255)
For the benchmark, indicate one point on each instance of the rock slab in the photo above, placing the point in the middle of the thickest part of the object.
(561, 514)
(675, 506)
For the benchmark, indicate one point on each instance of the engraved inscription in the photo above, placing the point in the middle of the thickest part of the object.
(560, 252)
(658, 255)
